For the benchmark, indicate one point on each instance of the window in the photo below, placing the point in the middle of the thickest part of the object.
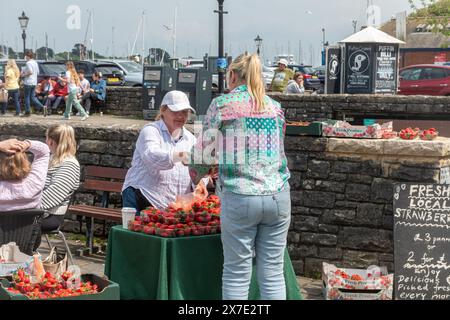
(411, 74)
(432, 74)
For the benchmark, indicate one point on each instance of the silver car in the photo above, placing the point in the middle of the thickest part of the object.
(132, 70)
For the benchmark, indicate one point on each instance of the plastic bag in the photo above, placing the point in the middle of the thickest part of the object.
(186, 201)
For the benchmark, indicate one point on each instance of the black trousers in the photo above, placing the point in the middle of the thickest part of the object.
(48, 224)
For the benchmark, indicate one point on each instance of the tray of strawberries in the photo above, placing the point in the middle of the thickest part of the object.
(23, 286)
(411, 134)
(202, 219)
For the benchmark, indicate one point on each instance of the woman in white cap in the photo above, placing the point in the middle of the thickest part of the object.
(281, 77)
(157, 174)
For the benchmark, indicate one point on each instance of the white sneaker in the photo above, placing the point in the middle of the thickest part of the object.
(78, 114)
(66, 118)
(85, 118)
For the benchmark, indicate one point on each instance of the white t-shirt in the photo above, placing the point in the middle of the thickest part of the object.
(85, 85)
(72, 85)
(32, 79)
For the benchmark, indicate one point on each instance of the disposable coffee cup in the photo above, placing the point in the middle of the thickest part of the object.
(128, 214)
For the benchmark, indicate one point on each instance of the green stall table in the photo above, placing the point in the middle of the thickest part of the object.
(153, 268)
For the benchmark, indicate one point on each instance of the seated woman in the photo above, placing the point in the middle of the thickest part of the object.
(22, 182)
(157, 174)
(63, 176)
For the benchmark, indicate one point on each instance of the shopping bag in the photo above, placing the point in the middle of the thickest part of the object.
(54, 265)
(3, 95)
(12, 259)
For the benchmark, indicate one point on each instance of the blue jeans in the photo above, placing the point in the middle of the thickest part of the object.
(15, 95)
(133, 198)
(30, 94)
(254, 224)
(73, 100)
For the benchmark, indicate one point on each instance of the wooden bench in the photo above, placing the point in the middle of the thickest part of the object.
(106, 180)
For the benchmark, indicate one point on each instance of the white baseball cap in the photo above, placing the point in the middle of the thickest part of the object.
(177, 101)
(283, 61)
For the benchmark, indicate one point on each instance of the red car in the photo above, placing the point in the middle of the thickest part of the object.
(425, 79)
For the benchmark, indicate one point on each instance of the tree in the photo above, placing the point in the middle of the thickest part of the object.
(435, 13)
(159, 56)
(41, 53)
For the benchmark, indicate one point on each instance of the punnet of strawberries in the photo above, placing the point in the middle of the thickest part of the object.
(409, 133)
(429, 134)
(202, 219)
(49, 287)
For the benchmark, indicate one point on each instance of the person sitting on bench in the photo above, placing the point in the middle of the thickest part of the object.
(44, 88)
(22, 183)
(63, 177)
(96, 94)
(59, 92)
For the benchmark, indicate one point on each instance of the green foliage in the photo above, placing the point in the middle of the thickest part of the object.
(434, 12)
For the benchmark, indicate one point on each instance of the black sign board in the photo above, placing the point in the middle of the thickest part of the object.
(333, 77)
(386, 69)
(359, 68)
(422, 241)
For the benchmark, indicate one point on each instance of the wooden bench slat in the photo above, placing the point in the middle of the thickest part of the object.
(104, 172)
(101, 185)
(97, 212)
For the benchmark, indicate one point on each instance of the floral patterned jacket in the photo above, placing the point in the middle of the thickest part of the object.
(247, 145)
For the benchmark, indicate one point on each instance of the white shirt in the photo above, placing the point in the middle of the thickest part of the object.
(72, 85)
(153, 170)
(85, 85)
(32, 79)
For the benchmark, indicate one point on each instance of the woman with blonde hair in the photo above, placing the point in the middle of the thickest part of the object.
(253, 180)
(73, 83)
(22, 182)
(12, 77)
(63, 176)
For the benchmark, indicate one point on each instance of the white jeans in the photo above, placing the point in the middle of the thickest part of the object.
(259, 224)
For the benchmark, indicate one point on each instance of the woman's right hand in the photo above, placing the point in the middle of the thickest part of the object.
(11, 146)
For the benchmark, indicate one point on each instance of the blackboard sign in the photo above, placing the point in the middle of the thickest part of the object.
(422, 241)
(333, 76)
(359, 68)
(386, 69)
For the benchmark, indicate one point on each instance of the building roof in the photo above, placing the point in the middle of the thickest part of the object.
(371, 35)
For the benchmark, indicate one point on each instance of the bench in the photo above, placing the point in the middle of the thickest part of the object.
(106, 180)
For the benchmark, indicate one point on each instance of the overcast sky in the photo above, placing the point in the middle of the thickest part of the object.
(281, 23)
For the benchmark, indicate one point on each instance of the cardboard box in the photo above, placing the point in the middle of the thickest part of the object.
(108, 290)
(343, 129)
(12, 259)
(373, 283)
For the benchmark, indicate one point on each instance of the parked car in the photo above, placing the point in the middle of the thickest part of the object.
(112, 74)
(46, 68)
(132, 70)
(425, 79)
(268, 73)
(311, 80)
(320, 72)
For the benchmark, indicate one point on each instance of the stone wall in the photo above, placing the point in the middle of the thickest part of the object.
(127, 101)
(341, 188)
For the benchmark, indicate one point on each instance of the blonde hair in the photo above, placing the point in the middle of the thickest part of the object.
(248, 69)
(11, 64)
(14, 167)
(162, 109)
(73, 73)
(66, 146)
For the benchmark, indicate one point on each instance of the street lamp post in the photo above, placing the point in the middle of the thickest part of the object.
(221, 45)
(258, 41)
(23, 20)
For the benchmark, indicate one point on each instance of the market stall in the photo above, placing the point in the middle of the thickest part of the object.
(188, 268)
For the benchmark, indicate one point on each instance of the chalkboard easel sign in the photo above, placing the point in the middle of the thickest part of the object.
(422, 241)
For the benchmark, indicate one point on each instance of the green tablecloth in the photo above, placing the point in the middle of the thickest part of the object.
(149, 267)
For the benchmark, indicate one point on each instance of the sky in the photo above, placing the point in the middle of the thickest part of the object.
(286, 26)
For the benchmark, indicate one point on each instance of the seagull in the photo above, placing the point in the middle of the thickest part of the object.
(308, 12)
(169, 28)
